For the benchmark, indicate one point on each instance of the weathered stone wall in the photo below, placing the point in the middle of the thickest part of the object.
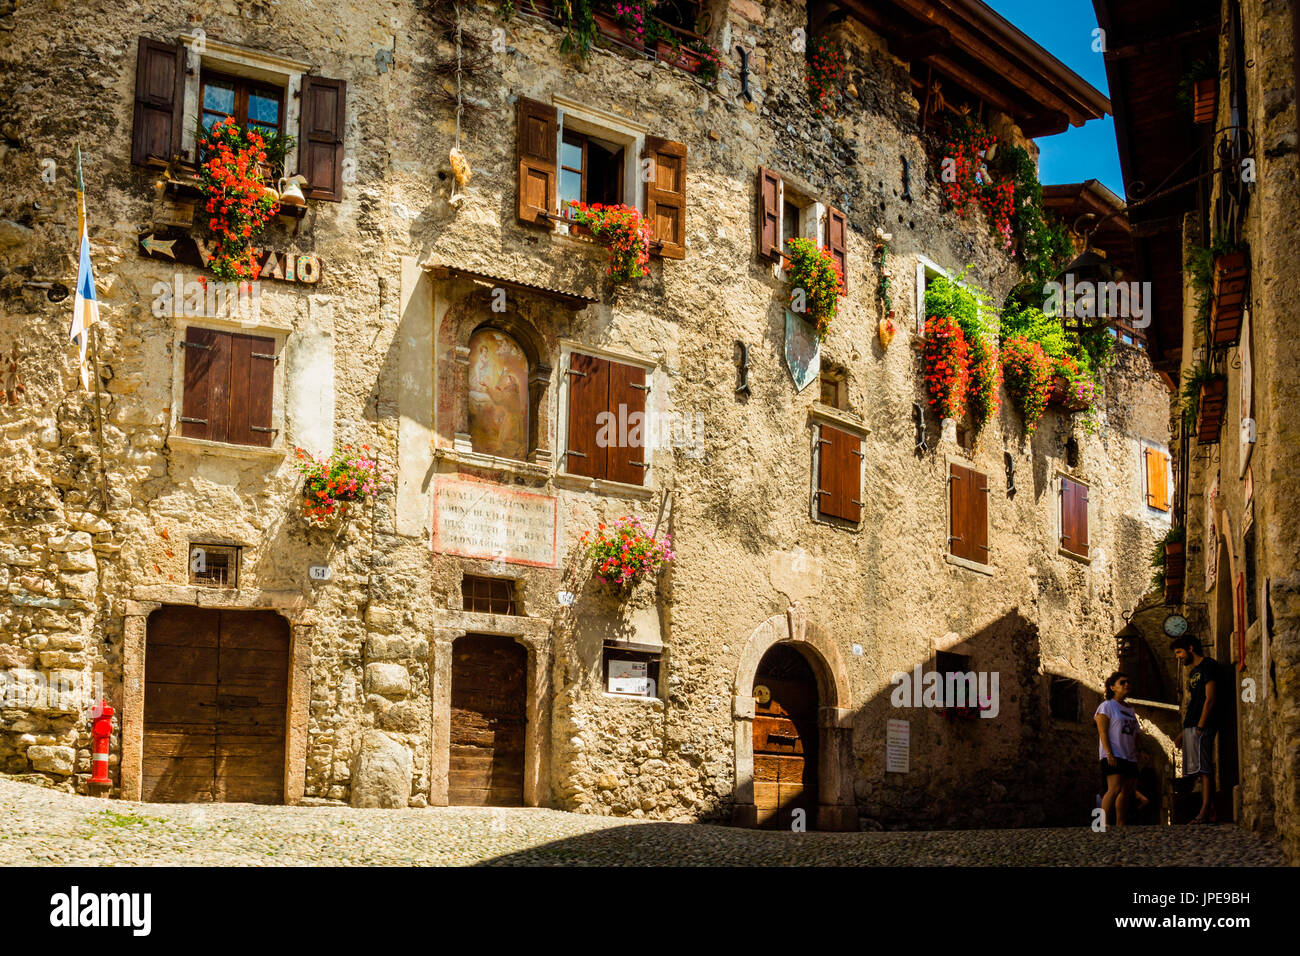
(382, 627)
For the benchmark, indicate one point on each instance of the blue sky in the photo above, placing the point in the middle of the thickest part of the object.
(1064, 28)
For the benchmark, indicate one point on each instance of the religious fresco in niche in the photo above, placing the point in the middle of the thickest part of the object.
(498, 395)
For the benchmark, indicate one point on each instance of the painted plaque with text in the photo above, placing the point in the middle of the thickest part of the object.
(481, 520)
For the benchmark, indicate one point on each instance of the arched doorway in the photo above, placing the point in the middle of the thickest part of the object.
(488, 700)
(785, 739)
(1226, 693)
(820, 720)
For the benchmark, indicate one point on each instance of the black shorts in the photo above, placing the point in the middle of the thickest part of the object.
(1125, 768)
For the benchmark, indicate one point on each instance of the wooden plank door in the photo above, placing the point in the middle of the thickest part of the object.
(488, 691)
(216, 689)
(785, 739)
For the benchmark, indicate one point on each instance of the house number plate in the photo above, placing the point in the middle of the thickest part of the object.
(320, 572)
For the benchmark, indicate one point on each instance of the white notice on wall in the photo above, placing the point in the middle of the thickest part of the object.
(898, 747)
(629, 677)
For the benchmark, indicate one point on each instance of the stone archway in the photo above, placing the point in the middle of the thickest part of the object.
(836, 809)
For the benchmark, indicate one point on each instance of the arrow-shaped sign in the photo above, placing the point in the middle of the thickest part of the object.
(154, 246)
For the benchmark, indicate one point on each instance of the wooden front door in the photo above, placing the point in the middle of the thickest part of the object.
(488, 690)
(216, 687)
(785, 739)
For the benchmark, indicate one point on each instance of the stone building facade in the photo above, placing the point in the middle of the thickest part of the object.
(1235, 486)
(458, 647)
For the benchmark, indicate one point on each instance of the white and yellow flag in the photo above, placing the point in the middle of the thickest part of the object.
(85, 307)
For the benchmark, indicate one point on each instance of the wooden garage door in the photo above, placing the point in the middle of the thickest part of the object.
(214, 706)
(487, 722)
(785, 739)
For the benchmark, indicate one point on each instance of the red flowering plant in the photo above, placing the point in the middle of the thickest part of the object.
(624, 230)
(825, 71)
(334, 483)
(238, 205)
(628, 552)
(965, 179)
(814, 281)
(985, 380)
(946, 366)
(1080, 386)
(1028, 371)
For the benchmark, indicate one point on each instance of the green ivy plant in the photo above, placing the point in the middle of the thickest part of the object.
(1195, 376)
(1042, 242)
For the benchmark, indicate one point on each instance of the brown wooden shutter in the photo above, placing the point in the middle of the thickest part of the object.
(666, 196)
(205, 405)
(627, 454)
(159, 102)
(839, 474)
(1074, 517)
(588, 402)
(968, 514)
(1157, 475)
(769, 213)
(320, 136)
(837, 240)
(252, 385)
(537, 128)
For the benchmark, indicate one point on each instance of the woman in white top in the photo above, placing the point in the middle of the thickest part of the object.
(1117, 726)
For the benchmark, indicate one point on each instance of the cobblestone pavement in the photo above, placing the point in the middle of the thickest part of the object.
(46, 827)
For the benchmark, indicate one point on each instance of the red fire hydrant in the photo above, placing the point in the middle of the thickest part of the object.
(100, 732)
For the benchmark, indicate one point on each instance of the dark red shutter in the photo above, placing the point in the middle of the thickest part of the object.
(839, 474)
(320, 139)
(205, 407)
(588, 402)
(252, 386)
(1074, 517)
(769, 213)
(537, 126)
(968, 514)
(1081, 518)
(627, 451)
(837, 240)
(666, 196)
(159, 102)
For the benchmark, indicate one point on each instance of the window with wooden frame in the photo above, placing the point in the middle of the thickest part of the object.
(229, 387)
(256, 88)
(834, 389)
(1074, 517)
(606, 435)
(839, 473)
(968, 514)
(488, 595)
(214, 565)
(563, 158)
(784, 213)
(1155, 476)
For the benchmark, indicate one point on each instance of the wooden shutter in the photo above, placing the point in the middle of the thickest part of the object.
(839, 474)
(837, 238)
(252, 385)
(666, 195)
(588, 401)
(1157, 476)
(320, 139)
(205, 404)
(537, 128)
(968, 514)
(769, 213)
(159, 101)
(1074, 517)
(627, 452)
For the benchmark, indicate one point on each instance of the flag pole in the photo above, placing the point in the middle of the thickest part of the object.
(93, 331)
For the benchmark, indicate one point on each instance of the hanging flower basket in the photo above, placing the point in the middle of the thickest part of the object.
(1231, 272)
(624, 230)
(239, 204)
(626, 553)
(813, 281)
(332, 485)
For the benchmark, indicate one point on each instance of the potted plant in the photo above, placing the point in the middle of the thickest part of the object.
(1197, 89)
(813, 280)
(1170, 563)
(332, 485)
(707, 71)
(1027, 371)
(947, 373)
(672, 51)
(625, 24)
(825, 73)
(1231, 275)
(238, 206)
(626, 553)
(1204, 402)
(624, 230)
(1073, 387)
